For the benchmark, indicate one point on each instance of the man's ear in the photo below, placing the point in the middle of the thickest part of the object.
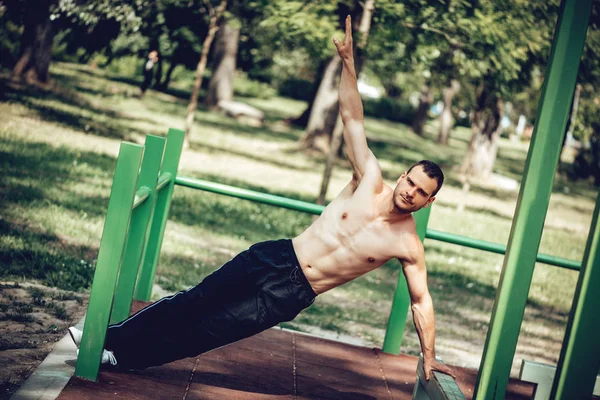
(431, 200)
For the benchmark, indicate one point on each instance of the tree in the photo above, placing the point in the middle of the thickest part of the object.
(215, 15)
(475, 42)
(586, 126)
(425, 101)
(446, 117)
(41, 18)
(36, 43)
(324, 110)
(225, 53)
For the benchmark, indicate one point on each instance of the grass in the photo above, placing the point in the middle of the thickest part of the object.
(57, 156)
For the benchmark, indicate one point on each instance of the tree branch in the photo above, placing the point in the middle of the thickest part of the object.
(449, 38)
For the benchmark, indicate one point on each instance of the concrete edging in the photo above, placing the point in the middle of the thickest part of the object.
(52, 375)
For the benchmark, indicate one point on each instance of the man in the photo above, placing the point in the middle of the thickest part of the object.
(366, 225)
(149, 71)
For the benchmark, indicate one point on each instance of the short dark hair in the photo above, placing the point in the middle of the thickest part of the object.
(432, 170)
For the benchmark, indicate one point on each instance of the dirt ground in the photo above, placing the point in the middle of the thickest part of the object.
(33, 318)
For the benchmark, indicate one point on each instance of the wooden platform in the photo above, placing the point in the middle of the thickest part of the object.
(275, 364)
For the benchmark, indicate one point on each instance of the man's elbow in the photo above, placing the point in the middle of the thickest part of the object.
(421, 302)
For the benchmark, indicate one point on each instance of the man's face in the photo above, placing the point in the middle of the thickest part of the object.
(413, 190)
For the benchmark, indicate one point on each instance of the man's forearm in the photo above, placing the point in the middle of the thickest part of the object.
(350, 103)
(425, 325)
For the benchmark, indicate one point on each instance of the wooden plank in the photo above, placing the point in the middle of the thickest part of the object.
(168, 382)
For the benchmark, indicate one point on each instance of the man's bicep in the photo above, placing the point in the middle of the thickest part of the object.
(416, 278)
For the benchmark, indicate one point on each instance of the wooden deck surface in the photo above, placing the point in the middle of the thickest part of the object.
(275, 364)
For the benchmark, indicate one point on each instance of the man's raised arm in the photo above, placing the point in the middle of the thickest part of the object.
(351, 110)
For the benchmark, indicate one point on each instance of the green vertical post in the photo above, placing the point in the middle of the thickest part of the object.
(110, 254)
(138, 228)
(143, 290)
(533, 199)
(580, 355)
(401, 301)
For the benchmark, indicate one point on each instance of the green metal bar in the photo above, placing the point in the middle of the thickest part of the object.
(141, 196)
(164, 180)
(317, 209)
(497, 248)
(580, 355)
(138, 228)
(533, 200)
(401, 301)
(259, 197)
(143, 290)
(111, 249)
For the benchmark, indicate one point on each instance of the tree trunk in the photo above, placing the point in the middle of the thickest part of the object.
(302, 119)
(483, 147)
(425, 100)
(336, 144)
(570, 124)
(220, 86)
(213, 27)
(36, 44)
(164, 83)
(486, 130)
(446, 118)
(324, 109)
(359, 60)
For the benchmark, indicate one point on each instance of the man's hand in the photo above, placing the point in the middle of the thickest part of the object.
(434, 365)
(345, 48)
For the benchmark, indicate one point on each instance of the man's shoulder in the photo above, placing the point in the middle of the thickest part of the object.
(410, 247)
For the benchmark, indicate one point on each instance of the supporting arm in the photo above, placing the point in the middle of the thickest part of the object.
(422, 309)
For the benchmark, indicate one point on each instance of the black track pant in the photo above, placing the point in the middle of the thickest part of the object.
(256, 290)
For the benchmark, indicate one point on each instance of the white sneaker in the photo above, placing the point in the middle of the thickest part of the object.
(107, 357)
(76, 335)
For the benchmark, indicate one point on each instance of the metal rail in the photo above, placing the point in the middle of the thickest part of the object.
(316, 209)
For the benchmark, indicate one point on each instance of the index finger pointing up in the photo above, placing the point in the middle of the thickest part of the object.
(348, 26)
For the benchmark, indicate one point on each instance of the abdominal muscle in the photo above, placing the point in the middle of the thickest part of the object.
(342, 245)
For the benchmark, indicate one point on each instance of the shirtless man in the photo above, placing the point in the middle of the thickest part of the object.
(367, 224)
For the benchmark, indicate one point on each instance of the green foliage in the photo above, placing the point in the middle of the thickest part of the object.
(10, 33)
(391, 109)
(242, 86)
(309, 26)
(296, 88)
(91, 13)
(126, 66)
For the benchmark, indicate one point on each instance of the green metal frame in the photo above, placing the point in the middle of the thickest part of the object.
(138, 230)
(533, 199)
(138, 196)
(580, 355)
(110, 254)
(143, 290)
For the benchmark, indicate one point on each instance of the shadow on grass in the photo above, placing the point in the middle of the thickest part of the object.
(67, 108)
(46, 257)
(31, 172)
